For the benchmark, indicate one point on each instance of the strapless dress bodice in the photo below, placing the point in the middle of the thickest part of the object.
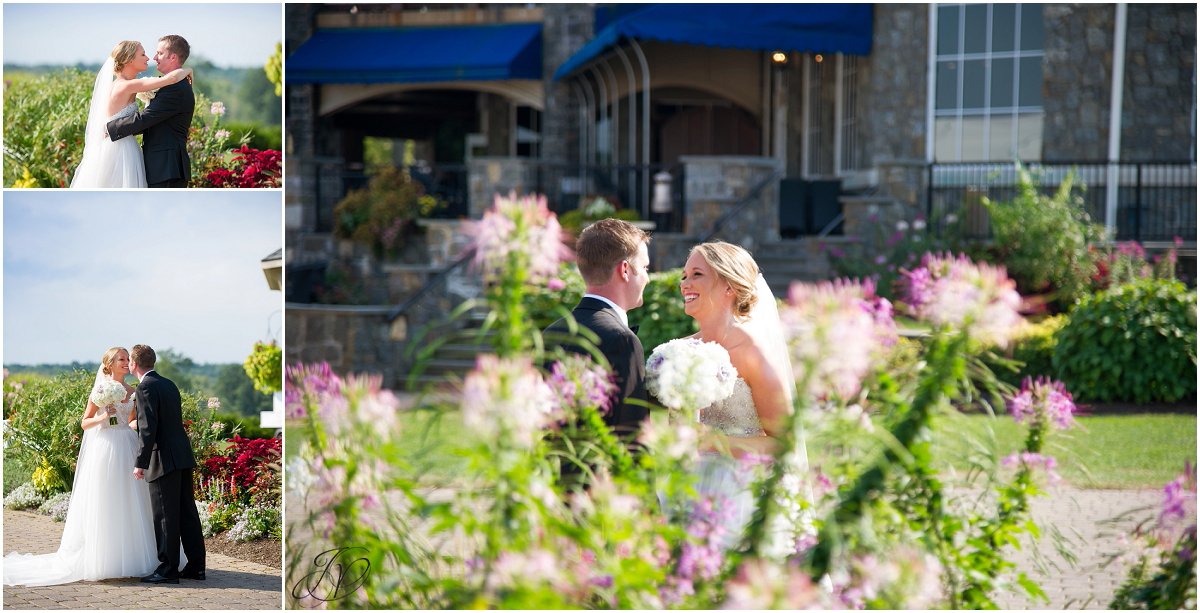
(735, 415)
(129, 109)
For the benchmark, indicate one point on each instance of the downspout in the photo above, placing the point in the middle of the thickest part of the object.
(1113, 185)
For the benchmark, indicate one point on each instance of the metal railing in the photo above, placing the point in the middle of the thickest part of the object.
(564, 185)
(1156, 201)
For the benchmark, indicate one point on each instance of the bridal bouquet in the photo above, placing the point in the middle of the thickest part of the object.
(106, 394)
(146, 96)
(688, 373)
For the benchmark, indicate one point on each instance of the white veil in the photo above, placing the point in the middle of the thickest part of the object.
(88, 172)
(765, 326)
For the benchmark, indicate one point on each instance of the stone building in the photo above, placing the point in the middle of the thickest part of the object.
(781, 127)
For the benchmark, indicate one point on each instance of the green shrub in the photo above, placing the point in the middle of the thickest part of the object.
(1135, 342)
(591, 211)
(44, 122)
(661, 317)
(383, 214)
(1044, 240)
(543, 303)
(247, 427)
(1034, 348)
(258, 136)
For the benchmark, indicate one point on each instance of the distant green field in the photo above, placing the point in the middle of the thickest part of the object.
(1119, 451)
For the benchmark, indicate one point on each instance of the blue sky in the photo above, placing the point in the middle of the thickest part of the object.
(72, 286)
(231, 35)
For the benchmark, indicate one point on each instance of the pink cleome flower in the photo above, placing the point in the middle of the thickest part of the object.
(836, 332)
(518, 232)
(1043, 401)
(977, 299)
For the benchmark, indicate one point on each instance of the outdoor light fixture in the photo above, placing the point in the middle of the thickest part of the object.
(779, 57)
(818, 58)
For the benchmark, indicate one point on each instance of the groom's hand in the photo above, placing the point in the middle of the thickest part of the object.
(139, 473)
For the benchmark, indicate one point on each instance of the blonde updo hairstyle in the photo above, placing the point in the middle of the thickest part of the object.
(110, 356)
(124, 53)
(734, 266)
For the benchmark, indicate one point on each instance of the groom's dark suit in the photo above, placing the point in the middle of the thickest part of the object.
(166, 455)
(164, 128)
(624, 352)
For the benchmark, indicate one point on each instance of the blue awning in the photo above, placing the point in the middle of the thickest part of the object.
(419, 55)
(817, 28)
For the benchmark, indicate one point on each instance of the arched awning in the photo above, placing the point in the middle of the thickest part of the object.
(419, 55)
(819, 28)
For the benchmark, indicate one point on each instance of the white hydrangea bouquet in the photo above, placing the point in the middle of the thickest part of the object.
(107, 393)
(688, 374)
(146, 96)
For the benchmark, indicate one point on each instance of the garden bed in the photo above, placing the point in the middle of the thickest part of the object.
(268, 552)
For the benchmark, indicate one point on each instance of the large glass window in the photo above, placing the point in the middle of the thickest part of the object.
(987, 102)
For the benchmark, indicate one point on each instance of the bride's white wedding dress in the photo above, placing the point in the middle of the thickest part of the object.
(108, 163)
(109, 529)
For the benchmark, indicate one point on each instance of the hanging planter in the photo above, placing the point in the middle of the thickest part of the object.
(264, 366)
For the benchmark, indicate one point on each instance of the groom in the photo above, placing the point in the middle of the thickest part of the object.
(165, 460)
(613, 259)
(164, 123)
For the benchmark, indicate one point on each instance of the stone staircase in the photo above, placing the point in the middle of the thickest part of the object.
(802, 259)
(455, 356)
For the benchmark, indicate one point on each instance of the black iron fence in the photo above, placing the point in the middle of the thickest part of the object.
(565, 186)
(1156, 201)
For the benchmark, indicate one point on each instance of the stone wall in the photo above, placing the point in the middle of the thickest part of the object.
(1158, 111)
(299, 173)
(351, 339)
(714, 184)
(1077, 81)
(893, 82)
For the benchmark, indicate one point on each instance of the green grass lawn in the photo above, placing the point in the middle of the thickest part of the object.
(1111, 451)
(1117, 451)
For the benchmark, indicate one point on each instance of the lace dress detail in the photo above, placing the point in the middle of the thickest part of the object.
(735, 415)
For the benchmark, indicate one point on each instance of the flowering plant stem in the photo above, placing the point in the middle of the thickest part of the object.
(946, 366)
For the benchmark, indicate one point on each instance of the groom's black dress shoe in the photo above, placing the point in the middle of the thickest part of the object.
(157, 578)
(188, 573)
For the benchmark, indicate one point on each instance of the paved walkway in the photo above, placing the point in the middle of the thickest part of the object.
(231, 583)
(1087, 525)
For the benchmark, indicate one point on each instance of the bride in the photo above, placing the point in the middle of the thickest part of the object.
(730, 300)
(109, 528)
(107, 163)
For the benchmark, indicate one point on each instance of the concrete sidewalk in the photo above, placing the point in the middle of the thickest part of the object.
(231, 583)
(1086, 522)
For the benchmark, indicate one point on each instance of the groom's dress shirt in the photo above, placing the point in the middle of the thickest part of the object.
(621, 314)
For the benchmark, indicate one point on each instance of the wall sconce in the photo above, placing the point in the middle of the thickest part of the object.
(818, 58)
(779, 58)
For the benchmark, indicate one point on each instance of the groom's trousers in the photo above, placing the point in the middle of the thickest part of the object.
(176, 520)
(171, 183)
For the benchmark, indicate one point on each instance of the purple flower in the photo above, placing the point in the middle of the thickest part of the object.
(577, 382)
(506, 401)
(306, 385)
(976, 299)
(555, 284)
(1042, 402)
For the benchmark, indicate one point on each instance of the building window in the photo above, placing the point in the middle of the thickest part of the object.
(851, 144)
(987, 102)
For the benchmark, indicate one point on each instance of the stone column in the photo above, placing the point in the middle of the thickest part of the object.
(566, 29)
(1158, 116)
(1077, 81)
(300, 170)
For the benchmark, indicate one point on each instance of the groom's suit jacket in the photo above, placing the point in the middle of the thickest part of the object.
(164, 128)
(625, 355)
(164, 446)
